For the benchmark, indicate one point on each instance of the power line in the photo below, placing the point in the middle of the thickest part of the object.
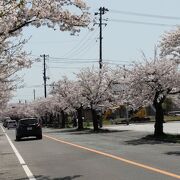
(80, 60)
(74, 62)
(141, 22)
(144, 14)
(106, 62)
(61, 58)
(34, 86)
(84, 62)
(62, 67)
(85, 48)
(84, 40)
(88, 46)
(53, 42)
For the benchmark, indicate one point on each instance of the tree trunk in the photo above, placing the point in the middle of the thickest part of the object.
(80, 120)
(51, 117)
(94, 118)
(58, 119)
(159, 119)
(63, 119)
(45, 119)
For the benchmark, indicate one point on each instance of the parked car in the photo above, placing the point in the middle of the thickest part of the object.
(11, 124)
(5, 121)
(28, 127)
(174, 113)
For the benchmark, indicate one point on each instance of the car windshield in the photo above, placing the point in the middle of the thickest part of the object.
(28, 121)
(7, 119)
(12, 122)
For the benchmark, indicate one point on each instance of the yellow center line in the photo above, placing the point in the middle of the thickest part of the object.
(117, 158)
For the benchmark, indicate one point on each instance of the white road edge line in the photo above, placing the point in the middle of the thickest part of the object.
(21, 160)
(3, 129)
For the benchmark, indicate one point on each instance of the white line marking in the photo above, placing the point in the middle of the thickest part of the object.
(21, 160)
(3, 129)
(116, 157)
(28, 172)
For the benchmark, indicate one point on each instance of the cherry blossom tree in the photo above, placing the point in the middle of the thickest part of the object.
(50, 108)
(12, 59)
(19, 110)
(4, 94)
(41, 108)
(96, 88)
(170, 45)
(67, 15)
(61, 108)
(70, 92)
(151, 82)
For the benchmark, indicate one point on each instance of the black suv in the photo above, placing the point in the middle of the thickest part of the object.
(28, 127)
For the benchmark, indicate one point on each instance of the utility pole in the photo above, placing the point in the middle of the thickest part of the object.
(101, 12)
(124, 68)
(44, 74)
(34, 92)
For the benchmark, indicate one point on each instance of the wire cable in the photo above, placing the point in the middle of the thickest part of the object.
(141, 22)
(83, 41)
(144, 14)
(89, 46)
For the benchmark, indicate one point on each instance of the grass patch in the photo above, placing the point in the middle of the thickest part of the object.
(166, 118)
(106, 122)
(172, 118)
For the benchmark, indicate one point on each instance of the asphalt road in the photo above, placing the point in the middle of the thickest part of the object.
(118, 155)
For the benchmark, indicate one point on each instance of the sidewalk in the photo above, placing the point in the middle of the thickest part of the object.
(169, 127)
(10, 168)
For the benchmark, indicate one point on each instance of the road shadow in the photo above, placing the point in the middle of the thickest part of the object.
(150, 139)
(41, 177)
(6, 153)
(84, 131)
(27, 139)
(100, 131)
(63, 130)
(176, 153)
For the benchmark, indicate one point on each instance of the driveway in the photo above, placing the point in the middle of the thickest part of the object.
(169, 127)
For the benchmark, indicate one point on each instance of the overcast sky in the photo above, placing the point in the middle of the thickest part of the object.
(132, 27)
